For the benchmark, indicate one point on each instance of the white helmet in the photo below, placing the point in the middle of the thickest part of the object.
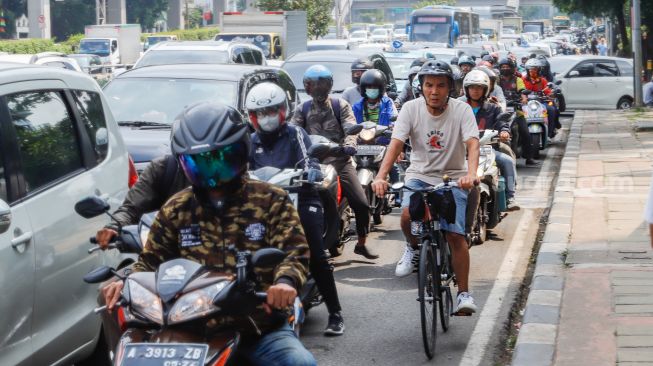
(477, 77)
(267, 107)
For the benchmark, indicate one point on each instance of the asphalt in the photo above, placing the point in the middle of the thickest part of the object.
(381, 312)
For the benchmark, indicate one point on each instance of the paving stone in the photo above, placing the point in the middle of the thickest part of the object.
(634, 363)
(533, 355)
(547, 283)
(634, 329)
(543, 314)
(627, 281)
(634, 290)
(544, 297)
(537, 333)
(634, 300)
(634, 355)
(548, 270)
(635, 342)
(634, 309)
(550, 258)
(631, 274)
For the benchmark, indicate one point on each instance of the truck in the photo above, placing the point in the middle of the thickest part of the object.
(533, 27)
(513, 23)
(280, 34)
(116, 44)
(492, 28)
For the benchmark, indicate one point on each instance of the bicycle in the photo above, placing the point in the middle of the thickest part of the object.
(435, 271)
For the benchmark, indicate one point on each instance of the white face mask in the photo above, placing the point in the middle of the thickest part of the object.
(269, 123)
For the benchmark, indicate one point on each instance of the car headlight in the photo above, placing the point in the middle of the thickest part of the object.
(145, 232)
(196, 304)
(367, 135)
(144, 302)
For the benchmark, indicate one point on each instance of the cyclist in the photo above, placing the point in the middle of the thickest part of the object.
(277, 144)
(222, 206)
(442, 131)
(328, 117)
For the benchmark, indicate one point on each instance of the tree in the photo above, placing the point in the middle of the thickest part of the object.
(13, 9)
(70, 17)
(318, 12)
(424, 3)
(145, 12)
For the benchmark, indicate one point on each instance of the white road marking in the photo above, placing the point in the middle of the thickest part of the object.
(486, 324)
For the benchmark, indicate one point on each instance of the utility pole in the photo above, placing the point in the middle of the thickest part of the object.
(637, 51)
(187, 15)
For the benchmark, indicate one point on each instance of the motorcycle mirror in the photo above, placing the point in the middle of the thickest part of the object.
(397, 186)
(268, 257)
(526, 92)
(99, 274)
(318, 151)
(91, 206)
(558, 82)
(354, 130)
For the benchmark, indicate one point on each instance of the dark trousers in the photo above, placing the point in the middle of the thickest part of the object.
(552, 120)
(352, 189)
(524, 138)
(311, 215)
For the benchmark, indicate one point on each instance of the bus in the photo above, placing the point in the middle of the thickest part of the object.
(444, 24)
(561, 22)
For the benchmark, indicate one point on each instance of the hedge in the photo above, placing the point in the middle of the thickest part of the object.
(198, 34)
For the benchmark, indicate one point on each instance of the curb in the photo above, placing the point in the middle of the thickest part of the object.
(535, 344)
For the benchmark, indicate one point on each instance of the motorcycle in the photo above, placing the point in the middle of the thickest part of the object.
(492, 200)
(368, 158)
(536, 118)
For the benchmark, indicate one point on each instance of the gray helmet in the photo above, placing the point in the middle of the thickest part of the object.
(436, 68)
(466, 60)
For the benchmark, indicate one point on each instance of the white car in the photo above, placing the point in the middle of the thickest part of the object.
(594, 81)
(400, 34)
(359, 36)
(380, 35)
(51, 59)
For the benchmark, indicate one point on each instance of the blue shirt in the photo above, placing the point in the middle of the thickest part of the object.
(648, 93)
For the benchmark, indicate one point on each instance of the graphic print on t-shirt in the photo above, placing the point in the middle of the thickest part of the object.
(435, 141)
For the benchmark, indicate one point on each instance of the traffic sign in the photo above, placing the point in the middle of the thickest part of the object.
(41, 19)
(397, 44)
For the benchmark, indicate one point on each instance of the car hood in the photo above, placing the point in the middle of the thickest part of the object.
(146, 144)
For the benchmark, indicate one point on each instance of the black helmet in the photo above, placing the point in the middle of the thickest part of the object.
(466, 60)
(360, 65)
(373, 79)
(418, 62)
(436, 68)
(506, 61)
(488, 58)
(211, 143)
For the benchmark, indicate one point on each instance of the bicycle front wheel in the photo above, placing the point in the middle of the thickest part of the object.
(427, 285)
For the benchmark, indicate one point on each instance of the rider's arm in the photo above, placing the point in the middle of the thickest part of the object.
(347, 120)
(161, 243)
(297, 117)
(287, 234)
(143, 196)
(394, 149)
(473, 153)
(301, 150)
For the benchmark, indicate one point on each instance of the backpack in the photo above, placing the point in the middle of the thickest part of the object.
(335, 104)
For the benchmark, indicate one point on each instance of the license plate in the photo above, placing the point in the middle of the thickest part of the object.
(164, 354)
(486, 150)
(294, 198)
(369, 149)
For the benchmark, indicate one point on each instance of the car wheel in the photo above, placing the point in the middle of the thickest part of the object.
(625, 103)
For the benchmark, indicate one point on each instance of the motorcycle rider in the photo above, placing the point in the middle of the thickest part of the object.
(442, 131)
(466, 64)
(512, 86)
(223, 207)
(277, 144)
(477, 86)
(496, 95)
(329, 117)
(358, 67)
(535, 82)
(407, 92)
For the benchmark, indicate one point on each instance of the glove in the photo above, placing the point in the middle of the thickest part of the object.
(314, 175)
(349, 150)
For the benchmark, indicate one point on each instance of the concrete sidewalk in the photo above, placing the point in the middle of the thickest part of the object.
(591, 299)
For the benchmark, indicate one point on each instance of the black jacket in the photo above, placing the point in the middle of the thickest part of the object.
(487, 118)
(151, 191)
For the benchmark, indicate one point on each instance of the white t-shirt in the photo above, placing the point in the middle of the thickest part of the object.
(438, 143)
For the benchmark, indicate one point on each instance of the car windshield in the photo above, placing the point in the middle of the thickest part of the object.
(326, 46)
(341, 73)
(380, 32)
(431, 32)
(400, 66)
(160, 100)
(359, 34)
(261, 41)
(98, 47)
(160, 57)
(561, 64)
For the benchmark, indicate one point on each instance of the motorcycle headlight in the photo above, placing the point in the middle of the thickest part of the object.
(144, 302)
(196, 304)
(533, 106)
(368, 135)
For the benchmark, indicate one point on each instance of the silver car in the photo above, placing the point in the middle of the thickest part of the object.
(59, 144)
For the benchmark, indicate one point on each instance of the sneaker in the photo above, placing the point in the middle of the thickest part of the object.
(336, 325)
(532, 163)
(362, 250)
(511, 204)
(466, 305)
(405, 264)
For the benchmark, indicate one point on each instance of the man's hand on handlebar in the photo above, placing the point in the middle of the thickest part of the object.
(280, 296)
(380, 186)
(111, 294)
(504, 136)
(467, 181)
(104, 236)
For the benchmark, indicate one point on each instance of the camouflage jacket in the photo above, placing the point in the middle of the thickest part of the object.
(259, 215)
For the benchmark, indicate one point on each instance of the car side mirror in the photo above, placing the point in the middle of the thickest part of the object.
(91, 206)
(574, 74)
(99, 274)
(354, 130)
(319, 151)
(5, 216)
(268, 257)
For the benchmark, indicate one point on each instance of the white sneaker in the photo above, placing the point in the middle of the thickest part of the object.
(466, 305)
(405, 264)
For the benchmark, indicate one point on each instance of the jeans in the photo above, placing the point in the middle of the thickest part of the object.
(460, 196)
(507, 167)
(280, 348)
(312, 219)
(353, 190)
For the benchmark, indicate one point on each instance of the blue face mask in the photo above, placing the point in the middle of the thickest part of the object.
(372, 93)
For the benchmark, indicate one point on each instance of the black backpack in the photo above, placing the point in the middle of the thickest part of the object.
(335, 104)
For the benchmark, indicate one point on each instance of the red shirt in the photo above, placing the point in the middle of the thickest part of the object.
(538, 85)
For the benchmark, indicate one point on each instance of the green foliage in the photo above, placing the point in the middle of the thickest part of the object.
(13, 9)
(199, 34)
(32, 46)
(194, 18)
(145, 12)
(424, 3)
(318, 12)
(70, 17)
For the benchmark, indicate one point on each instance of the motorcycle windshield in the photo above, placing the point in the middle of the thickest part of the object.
(174, 275)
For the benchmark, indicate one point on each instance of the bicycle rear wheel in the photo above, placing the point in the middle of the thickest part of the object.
(427, 286)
